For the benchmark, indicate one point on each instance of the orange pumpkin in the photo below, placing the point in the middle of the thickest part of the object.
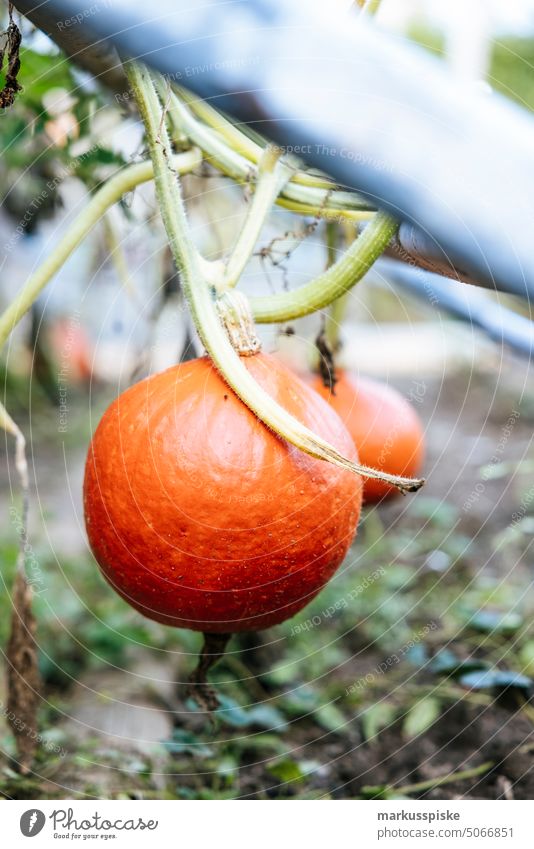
(201, 517)
(384, 426)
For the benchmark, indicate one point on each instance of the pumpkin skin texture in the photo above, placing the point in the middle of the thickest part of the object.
(384, 426)
(200, 516)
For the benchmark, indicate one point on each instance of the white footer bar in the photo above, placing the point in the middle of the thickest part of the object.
(277, 825)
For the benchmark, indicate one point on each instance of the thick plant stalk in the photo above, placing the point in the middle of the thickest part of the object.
(334, 282)
(200, 297)
(118, 185)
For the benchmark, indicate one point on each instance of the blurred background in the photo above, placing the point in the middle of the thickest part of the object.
(454, 564)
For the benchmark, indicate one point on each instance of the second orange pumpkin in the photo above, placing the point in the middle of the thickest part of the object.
(385, 428)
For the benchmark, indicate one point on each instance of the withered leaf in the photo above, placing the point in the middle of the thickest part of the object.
(11, 46)
(23, 681)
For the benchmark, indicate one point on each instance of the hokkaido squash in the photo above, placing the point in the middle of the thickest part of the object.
(384, 426)
(200, 516)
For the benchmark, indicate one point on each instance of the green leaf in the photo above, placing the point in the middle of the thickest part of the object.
(495, 679)
(377, 791)
(439, 512)
(300, 702)
(526, 656)
(262, 743)
(261, 715)
(227, 767)
(139, 766)
(185, 741)
(39, 72)
(417, 655)
(375, 718)
(267, 716)
(186, 793)
(286, 769)
(401, 577)
(231, 712)
(283, 674)
(382, 791)
(88, 163)
(421, 716)
(330, 717)
(446, 663)
(495, 621)
(494, 471)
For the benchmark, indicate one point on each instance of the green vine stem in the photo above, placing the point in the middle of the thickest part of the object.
(323, 210)
(303, 193)
(429, 784)
(272, 176)
(334, 322)
(118, 185)
(338, 309)
(214, 148)
(250, 149)
(334, 282)
(369, 7)
(233, 136)
(199, 295)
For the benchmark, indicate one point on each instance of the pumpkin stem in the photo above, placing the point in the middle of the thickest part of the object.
(199, 689)
(235, 314)
(327, 365)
